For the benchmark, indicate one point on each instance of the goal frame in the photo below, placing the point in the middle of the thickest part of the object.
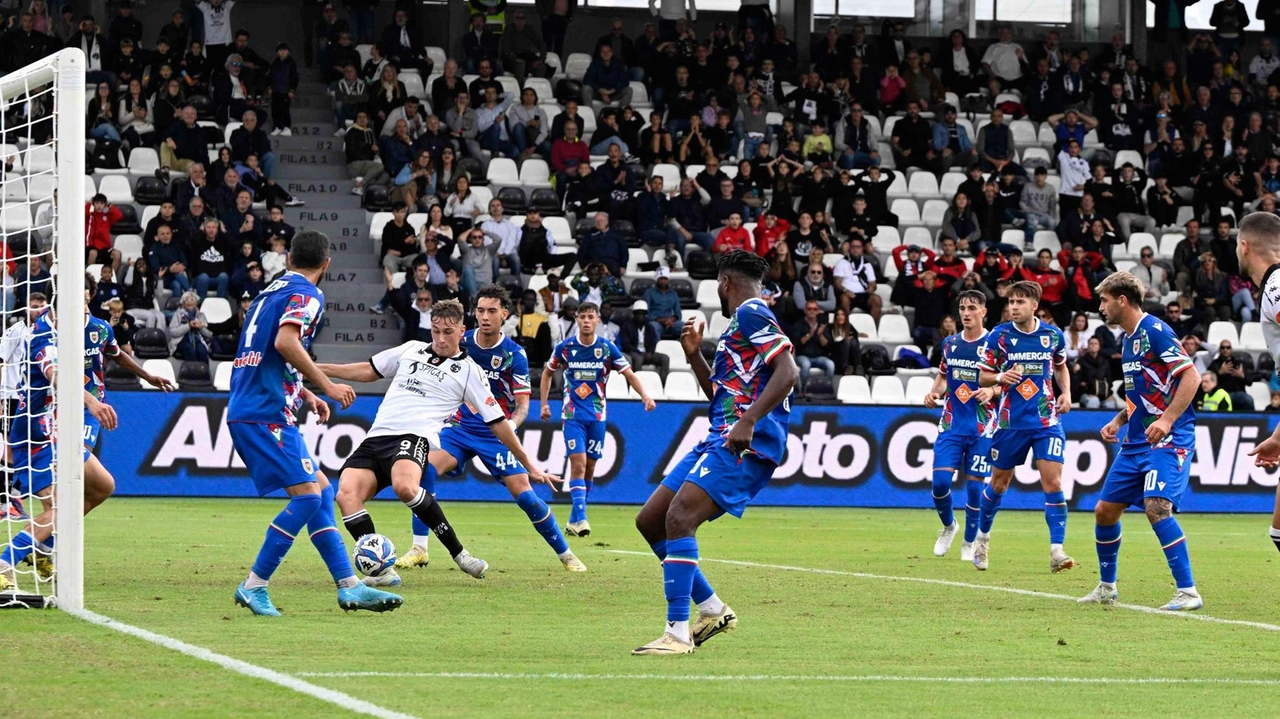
(65, 72)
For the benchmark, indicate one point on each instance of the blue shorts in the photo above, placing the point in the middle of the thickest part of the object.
(33, 471)
(1134, 476)
(1010, 446)
(582, 435)
(730, 481)
(463, 444)
(274, 453)
(970, 454)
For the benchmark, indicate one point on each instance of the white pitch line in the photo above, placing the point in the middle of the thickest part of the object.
(983, 587)
(337, 698)
(794, 678)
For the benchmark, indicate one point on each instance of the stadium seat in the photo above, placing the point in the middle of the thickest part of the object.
(1024, 133)
(40, 159)
(917, 388)
(216, 309)
(151, 343)
(894, 329)
(148, 191)
(887, 389)
(719, 323)
(194, 375)
(863, 324)
(904, 372)
(1251, 337)
(923, 186)
(1046, 135)
(914, 236)
(222, 377)
(1013, 237)
(1047, 240)
(709, 296)
(15, 218)
(560, 230)
(503, 173)
(672, 349)
(819, 388)
(670, 174)
(652, 383)
(535, 173)
(1138, 240)
(483, 196)
(118, 378)
(1131, 156)
(1037, 153)
(1219, 331)
(907, 211)
(588, 116)
(888, 236)
(546, 201)
(129, 246)
(616, 387)
(692, 171)
(541, 86)
(1261, 394)
(437, 57)
(160, 368)
(513, 202)
(1169, 244)
(143, 162)
(683, 386)
(640, 95)
(379, 221)
(853, 389)
(951, 183)
(575, 66)
(934, 211)
(898, 188)
(117, 190)
(148, 213)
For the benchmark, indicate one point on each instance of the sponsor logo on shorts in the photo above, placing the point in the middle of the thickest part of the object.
(572, 444)
(995, 453)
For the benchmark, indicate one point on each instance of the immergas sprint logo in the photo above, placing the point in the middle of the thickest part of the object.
(197, 440)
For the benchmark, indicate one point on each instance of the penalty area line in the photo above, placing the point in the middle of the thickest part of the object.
(293, 683)
(853, 678)
(1190, 616)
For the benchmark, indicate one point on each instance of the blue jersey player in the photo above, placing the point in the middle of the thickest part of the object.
(266, 392)
(1159, 425)
(749, 386)
(964, 430)
(586, 359)
(506, 366)
(1025, 357)
(32, 433)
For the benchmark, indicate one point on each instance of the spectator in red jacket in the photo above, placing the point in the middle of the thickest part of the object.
(912, 261)
(567, 153)
(771, 231)
(733, 236)
(948, 264)
(99, 217)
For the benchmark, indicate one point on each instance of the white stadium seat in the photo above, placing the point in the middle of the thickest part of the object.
(1251, 337)
(652, 383)
(907, 211)
(1219, 331)
(535, 174)
(917, 388)
(670, 175)
(502, 172)
(853, 389)
(575, 66)
(216, 309)
(887, 389)
(616, 387)
(160, 368)
(894, 329)
(923, 186)
(117, 190)
(709, 296)
(863, 324)
(222, 377)
(682, 386)
(673, 350)
(129, 246)
(933, 212)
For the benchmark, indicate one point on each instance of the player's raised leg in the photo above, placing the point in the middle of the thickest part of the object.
(406, 482)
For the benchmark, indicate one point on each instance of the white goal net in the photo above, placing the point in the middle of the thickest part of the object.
(42, 208)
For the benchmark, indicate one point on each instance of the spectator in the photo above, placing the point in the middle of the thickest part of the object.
(399, 243)
(638, 339)
(532, 330)
(960, 224)
(556, 15)
(99, 217)
(815, 286)
(1155, 281)
(1074, 171)
(845, 343)
(275, 259)
(1092, 375)
(211, 254)
(506, 237)
(594, 284)
(607, 80)
(1232, 372)
(479, 44)
(1005, 59)
(812, 340)
(604, 245)
(415, 184)
(491, 126)
(479, 259)
(951, 145)
(251, 139)
(1212, 398)
(567, 151)
(1211, 290)
(461, 209)
(690, 218)
(911, 139)
(663, 305)
(350, 94)
(189, 333)
(529, 125)
(386, 95)
(170, 261)
(184, 145)
(855, 281)
(283, 84)
(553, 296)
(723, 206)
(538, 246)
(361, 149)
(861, 141)
(931, 300)
(522, 49)
(417, 317)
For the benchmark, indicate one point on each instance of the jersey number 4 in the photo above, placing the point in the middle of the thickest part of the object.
(503, 462)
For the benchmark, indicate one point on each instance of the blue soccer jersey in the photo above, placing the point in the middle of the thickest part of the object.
(264, 387)
(739, 375)
(1153, 358)
(507, 368)
(36, 398)
(1030, 403)
(961, 413)
(586, 371)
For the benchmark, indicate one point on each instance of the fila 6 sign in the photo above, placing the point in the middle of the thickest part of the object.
(837, 455)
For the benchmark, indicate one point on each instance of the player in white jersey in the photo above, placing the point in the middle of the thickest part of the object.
(13, 349)
(431, 381)
(1258, 249)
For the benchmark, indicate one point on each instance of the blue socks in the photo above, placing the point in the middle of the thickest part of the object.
(282, 531)
(1055, 515)
(988, 505)
(578, 493)
(328, 541)
(543, 520)
(678, 571)
(21, 546)
(702, 590)
(1108, 541)
(942, 495)
(1174, 544)
(973, 491)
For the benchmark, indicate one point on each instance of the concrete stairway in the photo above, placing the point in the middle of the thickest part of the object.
(312, 167)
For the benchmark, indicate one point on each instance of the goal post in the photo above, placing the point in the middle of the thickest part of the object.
(42, 216)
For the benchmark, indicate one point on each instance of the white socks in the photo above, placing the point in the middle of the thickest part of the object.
(712, 605)
(679, 630)
(420, 540)
(254, 582)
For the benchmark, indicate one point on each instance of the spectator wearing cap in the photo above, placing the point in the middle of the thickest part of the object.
(664, 306)
(912, 261)
(951, 144)
(479, 44)
(638, 339)
(522, 49)
(606, 80)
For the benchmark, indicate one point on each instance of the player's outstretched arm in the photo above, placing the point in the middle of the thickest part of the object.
(128, 362)
(289, 345)
(785, 375)
(1267, 453)
(691, 341)
(352, 372)
(638, 386)
(506, 433)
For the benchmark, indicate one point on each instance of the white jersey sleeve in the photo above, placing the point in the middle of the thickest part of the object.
(1271, 312)
(386, 361)
(476, 393)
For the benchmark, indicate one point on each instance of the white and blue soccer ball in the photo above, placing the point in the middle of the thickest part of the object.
(374, 555)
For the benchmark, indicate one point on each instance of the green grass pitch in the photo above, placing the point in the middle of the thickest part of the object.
(532, 640)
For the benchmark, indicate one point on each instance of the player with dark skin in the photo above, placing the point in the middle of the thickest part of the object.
(676, 515)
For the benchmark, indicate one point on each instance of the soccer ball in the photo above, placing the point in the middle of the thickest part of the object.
(374, 554)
